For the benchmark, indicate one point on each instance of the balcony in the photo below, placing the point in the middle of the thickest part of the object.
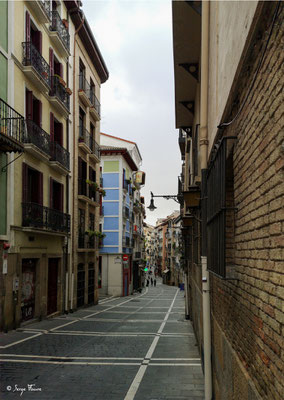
(59, 34)
(125, 212)
(126, 241)
(41, 9)
(88, 193)
(36, 141)
(84, 91)
(11, 129)
(88, 144)
(59, 97)
(94, 195)
(60, 158)
(36, 216)
(95, 108)
(35, 67)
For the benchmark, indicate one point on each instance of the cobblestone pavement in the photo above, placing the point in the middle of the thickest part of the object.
(137, 347)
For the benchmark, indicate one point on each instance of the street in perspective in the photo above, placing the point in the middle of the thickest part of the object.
(141, 200)
(138, 346)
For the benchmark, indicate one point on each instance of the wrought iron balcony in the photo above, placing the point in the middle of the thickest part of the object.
(58, 26)
(126, 241)
(11, 128)
(33, 58)
(125, 212)
(41, 9)
(36, 135)
(58, 153)
(94, 194)
(95, 102)
(58, 90)
(84, 85)
(37, 216)
(85, 137)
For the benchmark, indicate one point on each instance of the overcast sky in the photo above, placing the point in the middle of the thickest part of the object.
(135, 39)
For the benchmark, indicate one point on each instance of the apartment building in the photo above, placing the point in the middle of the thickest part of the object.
(123, 214)
(39, 215)
(46, 45)
(11, 132)
(89, 73)
(229, 111)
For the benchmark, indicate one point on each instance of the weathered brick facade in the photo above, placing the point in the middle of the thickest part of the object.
(247, 313)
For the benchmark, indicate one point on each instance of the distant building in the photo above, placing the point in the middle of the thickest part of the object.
(122, 217)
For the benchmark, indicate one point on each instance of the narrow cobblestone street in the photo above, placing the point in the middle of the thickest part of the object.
(124, 348)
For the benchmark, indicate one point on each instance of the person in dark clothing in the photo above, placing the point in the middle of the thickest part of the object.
(151, 281)
(155, 282)
(147, 284)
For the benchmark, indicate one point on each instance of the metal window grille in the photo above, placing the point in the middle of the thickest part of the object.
(217, 209)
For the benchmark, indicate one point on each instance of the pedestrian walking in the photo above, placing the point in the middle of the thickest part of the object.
(155, 282)
(147, 284)
(151, 281)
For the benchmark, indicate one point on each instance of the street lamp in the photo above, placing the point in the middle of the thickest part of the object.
(152, 207)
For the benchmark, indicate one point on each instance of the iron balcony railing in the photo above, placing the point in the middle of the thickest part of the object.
(85, 137)
(94, 100)
(36, 135)
(58, 90)
(32, 57)
(45, 6)
(84, 85)
(37, 216)
(126, 241)
(94, 194)
(125, 212)
(58, 26)
(11, 122)
(58, 153)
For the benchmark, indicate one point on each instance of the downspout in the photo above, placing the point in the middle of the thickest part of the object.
(203, 155)
(74, 165)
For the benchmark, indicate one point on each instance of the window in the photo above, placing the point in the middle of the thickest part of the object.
(33, 35)
(81, 123)
(82, 75)
(220, 209)
(56, 195)
(32, 185)
(56, 130)
(33, 108)
(82, 177)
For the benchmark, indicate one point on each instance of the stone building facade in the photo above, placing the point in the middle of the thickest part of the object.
(231, 121)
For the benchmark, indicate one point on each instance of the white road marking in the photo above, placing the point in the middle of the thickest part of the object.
(139, 376)
(72, 358)
(20, 341)
(67, 362)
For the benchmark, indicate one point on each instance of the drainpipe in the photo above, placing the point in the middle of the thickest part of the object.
(203, 155)
(74, 152)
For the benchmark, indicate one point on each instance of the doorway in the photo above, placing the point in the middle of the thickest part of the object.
(28, 288)
(52, 285)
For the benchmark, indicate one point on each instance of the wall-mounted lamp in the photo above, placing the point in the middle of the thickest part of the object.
(152, 206)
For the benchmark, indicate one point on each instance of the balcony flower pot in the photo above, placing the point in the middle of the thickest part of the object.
(60, 80)
(65, 23)
(90, 233)
(92, 184)
(45, 74)
(102, 192)
(68, 91)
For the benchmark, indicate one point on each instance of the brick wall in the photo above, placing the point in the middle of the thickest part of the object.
(248, 312)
